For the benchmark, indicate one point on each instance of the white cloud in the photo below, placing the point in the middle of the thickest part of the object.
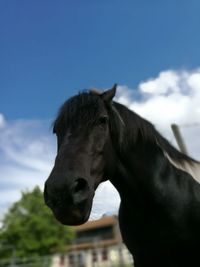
(166, 82)
(172, 97)
(106, 200)
(26, 157)
(27, 148)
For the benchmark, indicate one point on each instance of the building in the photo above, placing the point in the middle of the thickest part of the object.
(98, 244)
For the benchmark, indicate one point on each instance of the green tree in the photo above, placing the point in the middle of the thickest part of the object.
(30, 229)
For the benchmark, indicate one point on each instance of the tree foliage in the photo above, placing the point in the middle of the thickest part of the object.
(30, 229)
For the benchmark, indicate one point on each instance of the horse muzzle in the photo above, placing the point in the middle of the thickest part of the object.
(71, 205)
(72, 215)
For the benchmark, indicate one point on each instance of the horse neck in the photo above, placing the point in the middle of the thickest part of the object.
(138, 157)
(135, 170)
(147, 182)
(145, 170)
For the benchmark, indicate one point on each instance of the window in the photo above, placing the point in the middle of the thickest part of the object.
(104, 254)
(71, 259)
(94, 256)
(62, 260)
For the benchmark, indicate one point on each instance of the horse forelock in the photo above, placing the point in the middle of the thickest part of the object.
(81, 108)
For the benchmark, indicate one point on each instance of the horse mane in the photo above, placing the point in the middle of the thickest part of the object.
(137, 126)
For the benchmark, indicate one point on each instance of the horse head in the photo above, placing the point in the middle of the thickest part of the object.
(83, 139)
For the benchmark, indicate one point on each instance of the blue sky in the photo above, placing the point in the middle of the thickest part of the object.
(50, 50)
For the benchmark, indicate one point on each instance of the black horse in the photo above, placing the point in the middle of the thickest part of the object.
(99, 139)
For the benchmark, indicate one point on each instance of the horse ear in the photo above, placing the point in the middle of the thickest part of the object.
(108, 95)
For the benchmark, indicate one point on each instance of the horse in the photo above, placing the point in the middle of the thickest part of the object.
(99, 139)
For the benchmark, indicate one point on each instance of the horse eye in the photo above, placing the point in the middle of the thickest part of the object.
(103, 120)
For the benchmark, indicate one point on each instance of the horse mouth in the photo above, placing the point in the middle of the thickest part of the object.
(73, 215)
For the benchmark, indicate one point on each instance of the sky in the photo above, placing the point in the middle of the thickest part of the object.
(50, 50)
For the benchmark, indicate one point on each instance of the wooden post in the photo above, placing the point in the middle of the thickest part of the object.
(179, 139)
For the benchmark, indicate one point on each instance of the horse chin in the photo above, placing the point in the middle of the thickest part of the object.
(73, 216)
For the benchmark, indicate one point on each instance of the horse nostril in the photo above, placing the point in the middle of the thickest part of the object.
(80, 185)
(52, 200)
(80, 192)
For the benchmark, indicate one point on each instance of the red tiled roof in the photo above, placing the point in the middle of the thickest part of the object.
(91, 245)
(104, 221)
